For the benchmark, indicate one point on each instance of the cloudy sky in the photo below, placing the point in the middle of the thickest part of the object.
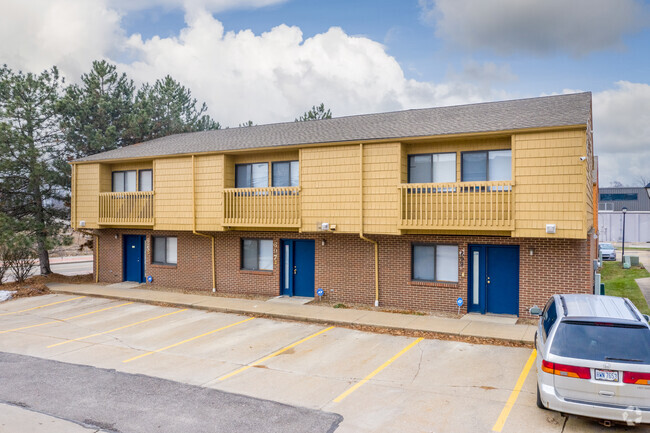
(270, 60)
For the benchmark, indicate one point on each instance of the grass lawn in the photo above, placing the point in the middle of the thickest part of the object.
(620, 282)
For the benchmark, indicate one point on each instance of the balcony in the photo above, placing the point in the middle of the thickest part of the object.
(261, 207)
(486, 206)
(126, 208)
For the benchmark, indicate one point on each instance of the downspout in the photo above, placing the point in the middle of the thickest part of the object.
(73, 223)
(214, 273)
(361, 225)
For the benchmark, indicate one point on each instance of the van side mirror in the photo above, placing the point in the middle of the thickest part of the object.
(535, 311)
(647, 318)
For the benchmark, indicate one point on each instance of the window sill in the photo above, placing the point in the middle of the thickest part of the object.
(432, 283)
(247, 271)
(159, 265)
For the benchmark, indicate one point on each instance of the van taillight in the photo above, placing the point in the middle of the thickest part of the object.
(636, 378)
(566, 370)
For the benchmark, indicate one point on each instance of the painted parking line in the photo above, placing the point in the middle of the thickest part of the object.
(371, 375)
(116, 329)
(276, 353)
(501, 421)
(63, 320)
(36, 308)
(187, 341)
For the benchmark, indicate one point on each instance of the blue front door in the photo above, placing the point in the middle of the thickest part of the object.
(493, 280)
(134, 258)
(297, 267)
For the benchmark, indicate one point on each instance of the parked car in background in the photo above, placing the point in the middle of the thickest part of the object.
(607, 250)
(593, 358)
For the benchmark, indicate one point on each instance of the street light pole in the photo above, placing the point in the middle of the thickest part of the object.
(624, 210)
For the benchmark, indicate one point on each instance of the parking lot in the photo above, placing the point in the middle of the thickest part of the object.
(376, 382)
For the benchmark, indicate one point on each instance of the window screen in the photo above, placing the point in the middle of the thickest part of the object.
(257, 254)
(165, 250)
(252, 175)
(432, 168)
(145, 181)
(286, 173)
(486, 165)
(124, 181)
(435, 262)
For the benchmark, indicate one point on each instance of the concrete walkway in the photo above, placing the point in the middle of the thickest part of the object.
(644, 283)
(311, 313)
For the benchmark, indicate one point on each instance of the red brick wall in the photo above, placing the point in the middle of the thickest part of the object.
(345, 267)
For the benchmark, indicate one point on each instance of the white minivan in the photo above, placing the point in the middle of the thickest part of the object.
(593, 358)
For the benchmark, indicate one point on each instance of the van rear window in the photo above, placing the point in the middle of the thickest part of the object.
(602, 342)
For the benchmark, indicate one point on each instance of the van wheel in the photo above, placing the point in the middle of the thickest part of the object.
(539, 400)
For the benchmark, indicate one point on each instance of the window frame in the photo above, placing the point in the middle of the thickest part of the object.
(153, 249)
(487, 165)
(430, 154)
(251, 164)
(289, 161)
(137, 179)
(241, 255)
(138, 176)
(435, 262)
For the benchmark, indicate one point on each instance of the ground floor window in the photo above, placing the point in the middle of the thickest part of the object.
(430, 262)
(257, 254)
(165, 250)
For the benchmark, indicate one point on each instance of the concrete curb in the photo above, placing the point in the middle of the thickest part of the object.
(365, 320)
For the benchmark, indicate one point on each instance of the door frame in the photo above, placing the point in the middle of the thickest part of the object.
(291, 243)
(483, 307)
(143, 256)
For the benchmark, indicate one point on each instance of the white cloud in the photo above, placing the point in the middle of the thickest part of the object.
(622, 132)
(277, 75)
(540, 27)
(37, 34)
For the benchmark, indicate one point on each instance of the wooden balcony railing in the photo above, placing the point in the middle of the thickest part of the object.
(126, 208)
(262, 207)
(457, 206)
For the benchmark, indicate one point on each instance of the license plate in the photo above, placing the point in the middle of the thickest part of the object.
(607, 375)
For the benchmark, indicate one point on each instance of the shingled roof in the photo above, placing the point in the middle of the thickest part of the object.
(548, 111)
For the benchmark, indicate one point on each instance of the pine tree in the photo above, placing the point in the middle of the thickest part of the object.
(97, 115)
(168, 108)
(34, 179)
(316, 113)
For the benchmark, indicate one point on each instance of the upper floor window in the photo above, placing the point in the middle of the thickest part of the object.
(252, 175)
(286, 173)
(145, 180)
(432, 168)
(618, 196)
(486, 165)
(125, 181)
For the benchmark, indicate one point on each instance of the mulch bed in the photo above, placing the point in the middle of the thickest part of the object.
(35, 286)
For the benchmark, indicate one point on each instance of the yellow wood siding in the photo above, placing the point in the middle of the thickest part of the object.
(550, 184)
(173, 193)
(381, 176)
(208, 172)
(330, 187)
(87, 195)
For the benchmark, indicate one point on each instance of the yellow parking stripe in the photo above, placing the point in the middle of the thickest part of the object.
(115, 329)
(371, 375)
(284, 349)
(501, 421)
(46, 305)
(187, 341)
(63, 320)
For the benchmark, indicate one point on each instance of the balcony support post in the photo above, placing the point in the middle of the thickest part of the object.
(214, 274)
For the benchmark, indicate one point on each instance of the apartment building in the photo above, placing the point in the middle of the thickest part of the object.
(491, 203)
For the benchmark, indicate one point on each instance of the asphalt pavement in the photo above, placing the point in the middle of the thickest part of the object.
(121, 402)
